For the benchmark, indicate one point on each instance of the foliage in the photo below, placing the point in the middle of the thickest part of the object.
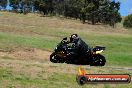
(93, 11)
(128, 21)
(3, 3)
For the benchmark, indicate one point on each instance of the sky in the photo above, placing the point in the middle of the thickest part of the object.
(125, 7)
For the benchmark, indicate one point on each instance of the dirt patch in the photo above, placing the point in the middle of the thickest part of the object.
(27, 53)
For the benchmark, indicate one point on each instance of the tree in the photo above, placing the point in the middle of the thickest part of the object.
(128, 21)
(114, 15)
(93, 11)
(3, 3)
(36, 4)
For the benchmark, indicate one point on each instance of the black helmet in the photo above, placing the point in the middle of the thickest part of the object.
(73, 36)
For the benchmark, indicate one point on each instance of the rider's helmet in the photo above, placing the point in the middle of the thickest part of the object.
(73, 37)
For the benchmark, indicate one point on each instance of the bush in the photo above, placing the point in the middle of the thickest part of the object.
(128, 21)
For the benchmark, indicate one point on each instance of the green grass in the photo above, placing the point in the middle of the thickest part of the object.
(31, 31)
(27, 41)
(118, 48)
(50, 76)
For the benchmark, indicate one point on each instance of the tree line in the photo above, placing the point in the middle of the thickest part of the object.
(127, 23)
(91, 11)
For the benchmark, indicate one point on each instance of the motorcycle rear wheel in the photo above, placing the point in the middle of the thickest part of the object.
(98, 60)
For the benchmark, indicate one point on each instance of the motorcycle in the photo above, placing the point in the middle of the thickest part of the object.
(63, 53)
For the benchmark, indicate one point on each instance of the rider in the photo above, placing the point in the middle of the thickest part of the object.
(80, 46)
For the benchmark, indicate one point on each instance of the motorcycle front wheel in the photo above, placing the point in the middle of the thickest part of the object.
(56, 59)
(53, 58)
